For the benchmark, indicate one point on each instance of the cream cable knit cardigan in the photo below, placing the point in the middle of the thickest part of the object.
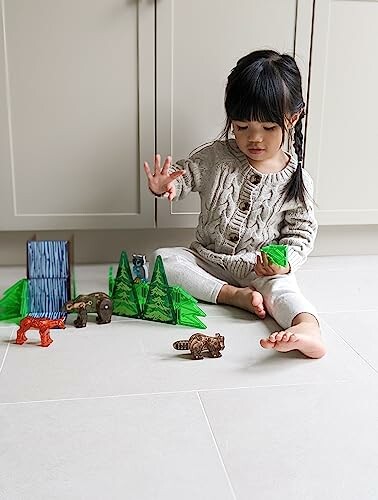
(242, 209)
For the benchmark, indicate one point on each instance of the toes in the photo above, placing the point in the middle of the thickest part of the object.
(257, 299)
(280, 336)
(267, 344)
(289, 337)
(276, 336)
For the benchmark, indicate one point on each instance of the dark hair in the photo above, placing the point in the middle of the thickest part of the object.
(266, 86)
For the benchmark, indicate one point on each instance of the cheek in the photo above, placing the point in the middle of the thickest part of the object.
(241, 138)
(275, 138)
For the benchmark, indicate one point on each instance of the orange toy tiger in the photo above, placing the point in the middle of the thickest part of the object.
(42, 324)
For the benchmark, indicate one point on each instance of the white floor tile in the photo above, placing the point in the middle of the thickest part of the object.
(298, 443)
(300, 430)
(340, 290)
(341, 263)
(142, 448)
(137, 357)
(359, 330)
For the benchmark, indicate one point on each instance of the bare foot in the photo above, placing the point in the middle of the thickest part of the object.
(303, 336)
(244, 298)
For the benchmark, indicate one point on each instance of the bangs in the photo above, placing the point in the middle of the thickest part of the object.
(257, 95)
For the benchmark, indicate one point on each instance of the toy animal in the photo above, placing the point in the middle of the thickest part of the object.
(140, 268)
(42, 324)
(97, 302)
(199, 343)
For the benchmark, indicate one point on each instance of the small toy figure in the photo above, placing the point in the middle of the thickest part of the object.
(42, 324)
(200, 342)
(140, 268)
(97, 302)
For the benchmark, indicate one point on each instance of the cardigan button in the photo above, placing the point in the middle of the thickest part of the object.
(244, 206)
(233, 237)
(256, 180)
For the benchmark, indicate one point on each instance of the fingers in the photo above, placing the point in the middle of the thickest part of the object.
(259, 267)
(267, 263)
(262, 267)
(161, 180)
(157, 164)
(176, 174)
(147, 170)
(162, 171)
(171, 192)
(166, 165)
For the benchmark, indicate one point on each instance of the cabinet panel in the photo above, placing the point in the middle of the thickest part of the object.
(75, 122)
(342, 125)
(198, 43)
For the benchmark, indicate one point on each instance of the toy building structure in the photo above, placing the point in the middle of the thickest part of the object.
(154, 301)
(49, 278)
(47, 286)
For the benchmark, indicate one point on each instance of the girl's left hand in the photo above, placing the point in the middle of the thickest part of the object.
(264, 268)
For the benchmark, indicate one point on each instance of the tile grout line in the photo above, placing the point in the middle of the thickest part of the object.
(6, 351)
(349, 345)
(188, 391)
(216, 446)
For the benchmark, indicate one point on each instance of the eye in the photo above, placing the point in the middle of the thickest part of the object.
(242, 127)
(270, 128)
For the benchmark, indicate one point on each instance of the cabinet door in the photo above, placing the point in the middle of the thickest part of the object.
(74, 121)
(198, 43)
(342, 132)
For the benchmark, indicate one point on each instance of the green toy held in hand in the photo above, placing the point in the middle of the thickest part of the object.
(277, 254)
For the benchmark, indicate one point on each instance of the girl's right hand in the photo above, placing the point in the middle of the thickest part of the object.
(161, 182)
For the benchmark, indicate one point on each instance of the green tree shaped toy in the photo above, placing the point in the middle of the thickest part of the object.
(123, 292)
(159, 304)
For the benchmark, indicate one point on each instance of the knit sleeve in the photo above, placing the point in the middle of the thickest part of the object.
(195, 171)
(299, 229)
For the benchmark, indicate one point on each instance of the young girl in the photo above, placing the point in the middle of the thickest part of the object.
(253, 194)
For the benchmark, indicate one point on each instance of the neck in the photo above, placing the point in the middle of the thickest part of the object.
(271, 165)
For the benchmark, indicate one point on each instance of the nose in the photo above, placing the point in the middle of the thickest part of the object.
(255, 137)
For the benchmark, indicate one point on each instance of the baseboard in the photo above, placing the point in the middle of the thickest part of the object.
(92, 247)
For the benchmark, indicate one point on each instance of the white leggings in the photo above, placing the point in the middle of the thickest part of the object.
(283, 299)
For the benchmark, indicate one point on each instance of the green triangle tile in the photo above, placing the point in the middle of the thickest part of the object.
(142, 288)
(186, 308)
(277, 253)
(15, 304)
(159, 304)
(124, 295)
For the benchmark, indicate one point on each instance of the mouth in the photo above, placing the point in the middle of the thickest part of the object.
(256, 151)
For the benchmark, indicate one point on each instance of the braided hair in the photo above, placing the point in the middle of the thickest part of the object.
(266, 86)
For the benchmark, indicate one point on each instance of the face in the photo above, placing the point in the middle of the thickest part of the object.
(259, 141)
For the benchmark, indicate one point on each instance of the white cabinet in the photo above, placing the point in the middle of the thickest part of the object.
(77, 99)
(198, 43)
(342, 130)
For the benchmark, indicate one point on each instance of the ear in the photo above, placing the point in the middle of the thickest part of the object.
(294, 118)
